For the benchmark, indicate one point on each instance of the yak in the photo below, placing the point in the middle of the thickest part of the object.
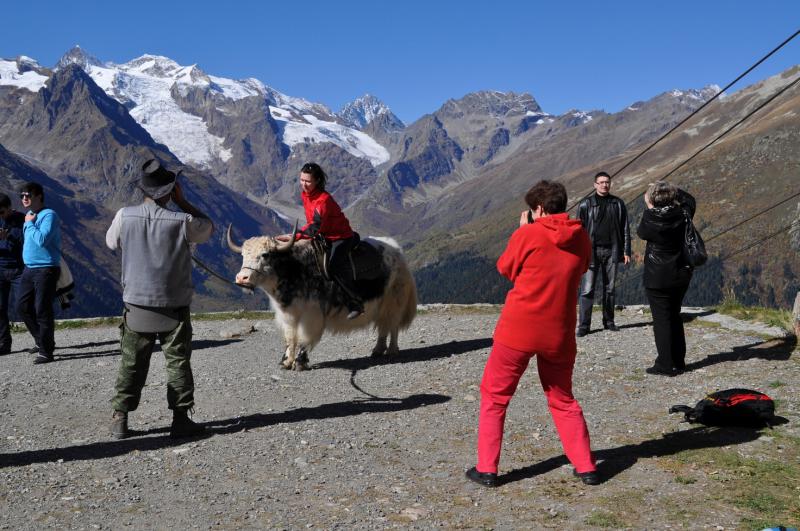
(306, 303)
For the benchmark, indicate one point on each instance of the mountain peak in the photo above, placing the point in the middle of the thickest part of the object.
(77, 55)
(362, 111)
(493, 102)
(165, 68)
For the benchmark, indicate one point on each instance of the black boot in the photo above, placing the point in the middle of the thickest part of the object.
(119, 425)
(183, 426)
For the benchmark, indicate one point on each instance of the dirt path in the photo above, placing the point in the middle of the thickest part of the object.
(359, 443)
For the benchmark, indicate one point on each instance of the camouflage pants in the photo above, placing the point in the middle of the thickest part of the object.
(136, 350)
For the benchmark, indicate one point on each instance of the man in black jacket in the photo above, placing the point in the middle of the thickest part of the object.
(605, 217)
(10, 265)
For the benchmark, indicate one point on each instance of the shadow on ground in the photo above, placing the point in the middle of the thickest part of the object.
(199, 344)
(613, 461)
(411, 355)
(771, 350)
(142, 443)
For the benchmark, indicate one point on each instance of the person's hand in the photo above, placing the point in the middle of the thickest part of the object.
(647, 201)
(177, 193)
(523, 218)
(626, 259)
(30, 216)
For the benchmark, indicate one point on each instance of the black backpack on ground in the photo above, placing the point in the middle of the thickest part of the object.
(731, 407)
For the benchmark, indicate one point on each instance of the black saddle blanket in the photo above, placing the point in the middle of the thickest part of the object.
(367, 261)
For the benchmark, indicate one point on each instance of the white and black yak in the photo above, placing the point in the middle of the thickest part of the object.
(306, 304)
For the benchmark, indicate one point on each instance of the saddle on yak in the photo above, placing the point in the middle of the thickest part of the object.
(366, 261)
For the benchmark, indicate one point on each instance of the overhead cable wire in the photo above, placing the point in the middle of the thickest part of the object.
(693, 113)
(764, 211)
(728, 130)
(724, 257)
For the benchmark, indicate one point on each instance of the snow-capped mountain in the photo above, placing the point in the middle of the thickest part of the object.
(145, 85)
(366, 109)
(22, 72)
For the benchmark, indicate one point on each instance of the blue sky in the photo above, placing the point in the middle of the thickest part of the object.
(415, 55)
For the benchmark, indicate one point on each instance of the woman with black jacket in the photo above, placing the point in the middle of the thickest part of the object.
(666, 272)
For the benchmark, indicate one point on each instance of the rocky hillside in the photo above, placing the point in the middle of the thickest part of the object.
(754, 167)
(87, 151)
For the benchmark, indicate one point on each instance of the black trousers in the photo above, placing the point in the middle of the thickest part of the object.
(605, 265)
(35, 304)
(665, 306)
(9, 278)
(342, 268)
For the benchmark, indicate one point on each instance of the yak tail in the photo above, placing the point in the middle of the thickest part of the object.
(410, 309)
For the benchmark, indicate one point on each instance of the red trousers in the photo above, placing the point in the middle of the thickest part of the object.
(500, 378)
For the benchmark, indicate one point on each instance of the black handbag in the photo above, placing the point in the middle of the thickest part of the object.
(694, 248)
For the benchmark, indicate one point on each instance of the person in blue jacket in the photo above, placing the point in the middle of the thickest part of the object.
(10, 265)
(41, 254)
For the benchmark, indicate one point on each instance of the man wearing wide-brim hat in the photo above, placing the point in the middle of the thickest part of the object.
(156, 292)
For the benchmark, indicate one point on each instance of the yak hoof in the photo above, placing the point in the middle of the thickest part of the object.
(300, 366)
(378, 352)
(392, 351)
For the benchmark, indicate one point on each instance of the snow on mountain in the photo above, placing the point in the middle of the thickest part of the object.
(364, 110)
(312, 129)
(703, 94)
(145, 86)
(21, 73)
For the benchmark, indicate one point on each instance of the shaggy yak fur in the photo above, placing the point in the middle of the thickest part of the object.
(306, 304)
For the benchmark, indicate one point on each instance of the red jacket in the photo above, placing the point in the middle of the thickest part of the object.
(333, 223)
(545, 261)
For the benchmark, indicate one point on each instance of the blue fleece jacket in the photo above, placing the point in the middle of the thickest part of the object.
(42, 246)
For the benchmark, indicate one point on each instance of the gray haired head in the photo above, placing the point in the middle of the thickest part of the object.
(662, 193)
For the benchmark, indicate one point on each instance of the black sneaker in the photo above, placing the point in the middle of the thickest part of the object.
(183, 426)
(42, 358)
(487, 479)
(33, 350)
(588, 478)
(581, 332)
(662, 372)
(612, 328)
(119, 425)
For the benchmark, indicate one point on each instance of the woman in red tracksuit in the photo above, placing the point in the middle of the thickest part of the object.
(325, 217)
(545, 259)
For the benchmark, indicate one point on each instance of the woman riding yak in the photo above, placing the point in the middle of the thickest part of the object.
(325, 218)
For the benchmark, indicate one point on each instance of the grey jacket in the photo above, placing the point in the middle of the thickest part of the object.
(587, 213)
(156, 257)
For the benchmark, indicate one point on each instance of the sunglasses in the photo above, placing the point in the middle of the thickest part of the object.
(25, 195)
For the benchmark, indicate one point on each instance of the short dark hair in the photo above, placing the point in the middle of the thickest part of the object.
(316, 171)
(32, 188)
(551, 196)
(5, 201)
(601, 174)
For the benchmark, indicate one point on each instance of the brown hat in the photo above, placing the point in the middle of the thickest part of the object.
(156, 180)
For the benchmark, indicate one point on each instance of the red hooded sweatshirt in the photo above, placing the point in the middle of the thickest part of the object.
(334, 224)
(545, 261)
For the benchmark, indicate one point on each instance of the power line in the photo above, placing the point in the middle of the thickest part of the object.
(728, 130)
(704, 105)
(727, 256)
(764, 211)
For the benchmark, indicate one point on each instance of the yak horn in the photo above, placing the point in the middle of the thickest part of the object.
(232, 246)
(284, 247)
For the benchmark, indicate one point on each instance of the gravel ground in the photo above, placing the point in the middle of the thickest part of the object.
(363, 443)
